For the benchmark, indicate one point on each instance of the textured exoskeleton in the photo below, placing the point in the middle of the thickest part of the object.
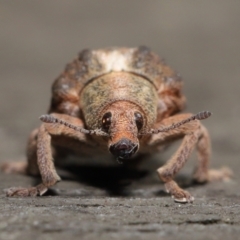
(120, 102)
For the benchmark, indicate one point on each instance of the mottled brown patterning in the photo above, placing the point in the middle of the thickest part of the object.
(120, 102)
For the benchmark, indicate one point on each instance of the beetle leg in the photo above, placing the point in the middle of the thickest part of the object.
(193, 133)
(202, 172)
(43, 151)
(25, 167)
(14, 167)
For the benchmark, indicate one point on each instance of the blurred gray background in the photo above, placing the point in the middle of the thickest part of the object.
(200, 39)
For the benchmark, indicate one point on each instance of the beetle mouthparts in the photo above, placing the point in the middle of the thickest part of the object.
(123, 149)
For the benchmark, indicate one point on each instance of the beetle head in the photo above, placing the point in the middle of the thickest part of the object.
(122, 121)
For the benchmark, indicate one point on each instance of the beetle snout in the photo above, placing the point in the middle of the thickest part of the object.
(123, 149)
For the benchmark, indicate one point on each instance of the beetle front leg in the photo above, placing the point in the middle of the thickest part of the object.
(46, 167)
(193, 134)
(44, 155)
(167, 172)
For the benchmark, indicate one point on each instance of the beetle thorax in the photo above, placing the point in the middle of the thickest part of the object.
(115, 87)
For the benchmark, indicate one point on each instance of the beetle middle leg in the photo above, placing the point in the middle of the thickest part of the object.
(193, 134)
(202, 172)
(25, 167)
(44, 154)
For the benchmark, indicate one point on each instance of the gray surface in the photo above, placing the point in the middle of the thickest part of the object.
(201, 39)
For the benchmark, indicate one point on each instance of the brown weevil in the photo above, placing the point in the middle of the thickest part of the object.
(121, 103)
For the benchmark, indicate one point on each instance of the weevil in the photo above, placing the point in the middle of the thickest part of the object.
(121, 103)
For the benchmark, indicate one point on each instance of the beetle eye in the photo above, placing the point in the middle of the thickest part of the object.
(139, 120)
(106, 121)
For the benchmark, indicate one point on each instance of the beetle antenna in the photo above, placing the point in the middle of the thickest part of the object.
(47, 118)
(198, 116)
